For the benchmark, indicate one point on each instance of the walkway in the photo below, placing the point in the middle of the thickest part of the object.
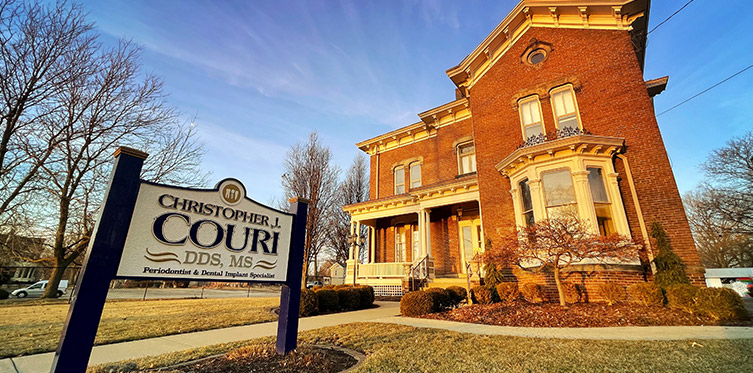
(387, 312)
(615, 333)
(178, 342)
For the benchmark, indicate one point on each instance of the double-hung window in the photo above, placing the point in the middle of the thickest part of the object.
(527, 203)
(530, 117)
(565, 110)
(466, 158)
(415, 175)
(400, 243)
(399, 180)
(601, 201)
(559, 194)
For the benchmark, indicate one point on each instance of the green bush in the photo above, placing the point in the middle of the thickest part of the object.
(457, 294)
(327, 300)
(492, 275)
(4, 294)
(481, 295)
(611, 292)
(720, 303)
(349, 298)
(680, 297)
(309, 303)
(442, 298)
(573, 292)
(508, 291)
(670, 269)
(366, 296)
(532, 292)
(416, 303)
(646, 293)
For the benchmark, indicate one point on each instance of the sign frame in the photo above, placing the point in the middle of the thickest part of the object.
(105, 251)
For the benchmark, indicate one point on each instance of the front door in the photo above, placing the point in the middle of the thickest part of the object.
(471, 239)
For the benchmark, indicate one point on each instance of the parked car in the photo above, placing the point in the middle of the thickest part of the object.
(311, 284)
(37, 289)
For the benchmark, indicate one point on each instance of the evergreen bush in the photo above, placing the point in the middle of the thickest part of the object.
(646, 293)
(493, 276)
(532, 292)
(458, 294)
(720, 303)
(670, 269)
(611, 292)
(416, 303)
(327, 300)
(481, 295)
(680, 297)
(508, 291)
(309, 303)
(573, 292)
(442, 298)
(348, 297)
(366, 296)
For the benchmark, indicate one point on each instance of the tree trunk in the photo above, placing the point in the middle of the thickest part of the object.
(52, 286)
(560, 290)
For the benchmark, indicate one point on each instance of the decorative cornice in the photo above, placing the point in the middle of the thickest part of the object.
(581, 14)
(578, 144)
(542, 90)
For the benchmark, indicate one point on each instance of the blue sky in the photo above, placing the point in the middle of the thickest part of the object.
(260, 75)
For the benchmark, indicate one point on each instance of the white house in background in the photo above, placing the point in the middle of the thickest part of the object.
(335, 274)
(736, 279)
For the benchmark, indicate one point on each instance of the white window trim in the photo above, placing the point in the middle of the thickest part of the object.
(520, 114)
(460, 162)
(561, 88)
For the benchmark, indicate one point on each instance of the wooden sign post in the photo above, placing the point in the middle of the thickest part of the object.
(161, 232)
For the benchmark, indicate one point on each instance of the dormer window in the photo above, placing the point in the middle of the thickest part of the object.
(399, 179)
(415, 175)
(530, 117)
(565, 108)
(466, 158)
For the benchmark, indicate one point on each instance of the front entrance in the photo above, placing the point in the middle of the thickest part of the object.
(471, 241)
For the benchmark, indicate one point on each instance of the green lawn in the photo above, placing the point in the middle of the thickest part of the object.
(35, 327)
(392, 348)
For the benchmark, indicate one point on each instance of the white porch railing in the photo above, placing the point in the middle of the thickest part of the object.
(384, 270)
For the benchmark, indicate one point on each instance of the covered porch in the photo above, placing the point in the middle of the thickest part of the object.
(431, 234)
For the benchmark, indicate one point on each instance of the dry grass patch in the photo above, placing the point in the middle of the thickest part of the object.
(391, 348)
(34, 328)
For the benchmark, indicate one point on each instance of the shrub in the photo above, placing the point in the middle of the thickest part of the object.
(720, 304)
(573, 292)
(492, 276)
(349, 298)
(680, 297)
(611, 292)
(416, 303)
(481, 295)
(366, 296)
(532, 293)
(670, 269)
(508, 291)
(317, 287)
(646, 293)
(327, 300)
(341, 286)
(328, 287)
(457, 294)
(309, 303)
(4, 294)
(442, 298)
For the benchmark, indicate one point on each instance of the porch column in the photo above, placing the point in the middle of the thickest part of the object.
(372, 244)
(427, 214)
(537, 197)
(421, 234)
(358, 241)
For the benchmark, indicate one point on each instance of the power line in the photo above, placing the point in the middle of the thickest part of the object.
(707, 89)
(668, 18)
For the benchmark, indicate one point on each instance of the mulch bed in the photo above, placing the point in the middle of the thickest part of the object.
(580, 315)
(263, 358)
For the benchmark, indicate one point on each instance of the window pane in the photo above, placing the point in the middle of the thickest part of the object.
(468, 243)
(399, 180)
(568, 121)
(467, 149)
(534, 130)
(525, 194)
(604, 219)
(525, 110)
(558, 188)
(473, 163)
(415, 175)
(596, 181)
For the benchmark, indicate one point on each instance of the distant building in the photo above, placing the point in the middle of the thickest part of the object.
(334, 273)
(737, 279)
(19, 255)
(552, 114)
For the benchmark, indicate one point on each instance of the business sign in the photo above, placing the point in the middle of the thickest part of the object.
(208, 235)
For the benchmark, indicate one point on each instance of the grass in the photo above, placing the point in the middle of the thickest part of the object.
(391, 348)
(35, 327)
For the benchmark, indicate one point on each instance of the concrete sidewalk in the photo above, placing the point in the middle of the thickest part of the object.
(631, 333)
(156, 346)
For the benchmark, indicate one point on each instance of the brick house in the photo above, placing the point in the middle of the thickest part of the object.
(551, 114)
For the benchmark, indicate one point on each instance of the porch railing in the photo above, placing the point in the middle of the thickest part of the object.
(384, 270)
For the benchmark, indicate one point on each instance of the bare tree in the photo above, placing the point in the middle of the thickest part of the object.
(309, 174)
(41, 50)
(354, 189)
(556, 244)
(729, 180)
(719, 242)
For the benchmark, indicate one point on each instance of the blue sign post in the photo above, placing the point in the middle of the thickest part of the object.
(127, 195)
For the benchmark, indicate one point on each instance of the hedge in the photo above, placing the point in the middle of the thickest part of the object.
(646, 293)
(349, 298)
(481, 295)
(680, 297)
(309, 303)
(416, 303)
(532, 292)
(508, 291)
(611, 292)
(442, 298)
(720, 303)
(458, 294)
(327, 300)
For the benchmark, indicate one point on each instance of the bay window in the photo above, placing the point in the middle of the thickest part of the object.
(601, 201)
(558, 193)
